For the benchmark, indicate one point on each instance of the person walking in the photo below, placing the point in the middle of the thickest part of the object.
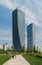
(13, 56)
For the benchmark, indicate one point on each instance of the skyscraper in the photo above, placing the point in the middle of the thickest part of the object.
(31, 36)
(18, 29)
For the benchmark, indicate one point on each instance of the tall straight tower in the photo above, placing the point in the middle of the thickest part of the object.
(31, 36)
(18, 29)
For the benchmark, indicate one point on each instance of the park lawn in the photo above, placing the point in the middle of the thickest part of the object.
(4, 58)
(33, 60)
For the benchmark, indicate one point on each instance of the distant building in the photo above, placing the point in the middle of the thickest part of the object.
(1, 46)
(4, 46)
(18, 29)
(30, 36)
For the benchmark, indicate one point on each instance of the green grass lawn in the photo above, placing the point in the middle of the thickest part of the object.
(32, 59)
(4, 58)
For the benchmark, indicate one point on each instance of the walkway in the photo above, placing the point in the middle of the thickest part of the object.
(19, 60)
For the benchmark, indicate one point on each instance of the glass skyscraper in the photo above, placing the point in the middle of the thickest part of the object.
(18, 29)
(31, 36)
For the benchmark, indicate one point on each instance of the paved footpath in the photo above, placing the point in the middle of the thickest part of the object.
(19, 60)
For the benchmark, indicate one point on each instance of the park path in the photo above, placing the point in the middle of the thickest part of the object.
(19, 60)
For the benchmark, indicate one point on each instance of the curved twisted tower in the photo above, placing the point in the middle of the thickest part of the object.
(18, 29)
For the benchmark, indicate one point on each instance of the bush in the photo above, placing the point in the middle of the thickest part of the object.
(38, 55)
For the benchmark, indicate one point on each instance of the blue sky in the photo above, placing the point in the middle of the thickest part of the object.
(33, 14)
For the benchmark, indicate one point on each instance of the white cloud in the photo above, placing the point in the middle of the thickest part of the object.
(30, 17)
(38, 2)
(8, 4)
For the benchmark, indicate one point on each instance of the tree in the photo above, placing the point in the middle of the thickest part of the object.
(3, 47)
(34, 49)
(23, 48)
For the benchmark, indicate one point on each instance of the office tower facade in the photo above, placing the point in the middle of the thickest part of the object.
(18, 29)
(30, 36)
